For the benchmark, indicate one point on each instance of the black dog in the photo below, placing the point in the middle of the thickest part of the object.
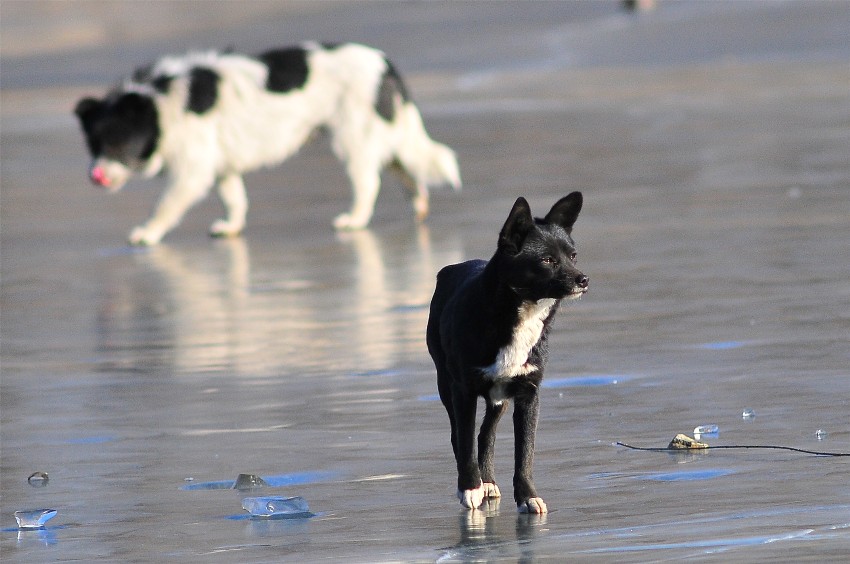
(487, 333)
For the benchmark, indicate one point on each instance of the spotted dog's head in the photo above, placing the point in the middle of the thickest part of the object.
(122, 133)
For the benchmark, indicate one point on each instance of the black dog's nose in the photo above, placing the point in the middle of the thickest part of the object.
(581, 281)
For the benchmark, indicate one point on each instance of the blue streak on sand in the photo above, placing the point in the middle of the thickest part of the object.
(585, 381)
(692, 475)
(295, 479)
(576, 382)
(722, 345)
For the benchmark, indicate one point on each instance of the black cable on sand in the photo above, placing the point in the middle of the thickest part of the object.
(774, 447)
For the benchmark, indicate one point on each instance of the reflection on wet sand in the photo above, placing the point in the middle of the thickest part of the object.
(208, 309)
(484, 536)
(389, 305)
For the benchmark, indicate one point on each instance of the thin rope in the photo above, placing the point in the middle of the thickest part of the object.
(668, 449)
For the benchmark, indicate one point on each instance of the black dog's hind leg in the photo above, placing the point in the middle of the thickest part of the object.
(525, 427)
(445, 390)
(486, 444)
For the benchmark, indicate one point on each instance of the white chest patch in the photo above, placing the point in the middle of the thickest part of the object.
(512, 359)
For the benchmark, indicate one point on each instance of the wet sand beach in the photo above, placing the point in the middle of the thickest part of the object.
(710, 141)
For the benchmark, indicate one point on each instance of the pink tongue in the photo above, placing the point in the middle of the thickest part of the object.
(98, 176)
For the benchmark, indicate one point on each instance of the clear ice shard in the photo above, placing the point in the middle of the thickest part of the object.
(34, 518)
(706, 430)
(275, 506)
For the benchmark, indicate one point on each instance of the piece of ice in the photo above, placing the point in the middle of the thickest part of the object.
(748, 413)
(249, 482)
(706, 430)
(38, 479)
(34, 518)
(821, 434)
(275, 506)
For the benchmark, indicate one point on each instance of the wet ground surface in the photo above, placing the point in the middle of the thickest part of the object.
(710, 141)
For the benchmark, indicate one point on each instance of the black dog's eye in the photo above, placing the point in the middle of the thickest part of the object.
(550, 261)
(573, 257)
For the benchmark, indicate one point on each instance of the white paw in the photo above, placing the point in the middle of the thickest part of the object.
(491, 490)
(533, 505)
(224, 228)
(348, 221)
(141, 236)
(471, 499)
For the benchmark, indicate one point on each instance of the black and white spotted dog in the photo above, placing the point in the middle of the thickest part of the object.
(209, 117)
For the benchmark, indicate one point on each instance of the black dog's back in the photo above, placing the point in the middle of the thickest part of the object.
(449, 281)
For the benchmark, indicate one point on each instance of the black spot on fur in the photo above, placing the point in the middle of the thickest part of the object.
(287, 69)
(391, 86)
(161, 83)
(203, 89)
(144, 75)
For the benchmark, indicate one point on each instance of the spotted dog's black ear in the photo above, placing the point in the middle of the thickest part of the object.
(87, 107)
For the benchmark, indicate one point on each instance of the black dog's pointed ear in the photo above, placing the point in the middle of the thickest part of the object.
(565, 211)
(517, 226)
(85, 107)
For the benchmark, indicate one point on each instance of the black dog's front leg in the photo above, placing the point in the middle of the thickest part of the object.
(469, 487)
(486, 446)
(525, 427)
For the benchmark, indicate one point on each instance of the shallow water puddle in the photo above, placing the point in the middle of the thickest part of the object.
(657, 535)
(708, 544)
